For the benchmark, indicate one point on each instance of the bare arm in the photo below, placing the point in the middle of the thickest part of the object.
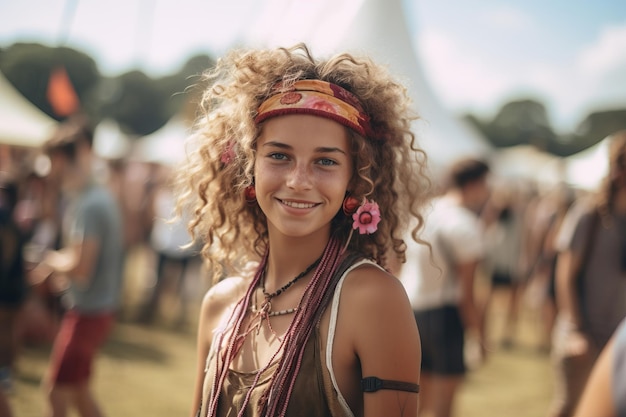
(568, 302)
(76, 261)
(568, 264)
(468, 308)
(386, 340)
(214, 305)
(596, 400)
(205, 330)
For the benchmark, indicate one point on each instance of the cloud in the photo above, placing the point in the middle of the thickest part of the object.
(462, 77)
(472, 77)
(594, 80)
(606, 55)
(508, 18)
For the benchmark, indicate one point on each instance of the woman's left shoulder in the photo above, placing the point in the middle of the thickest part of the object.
(376, 311)
(370, 284)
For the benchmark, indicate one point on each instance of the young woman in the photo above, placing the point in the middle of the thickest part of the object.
(305, 177)
(590, 280)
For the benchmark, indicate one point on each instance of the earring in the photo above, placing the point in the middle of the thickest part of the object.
(350, 204)
(250, 194)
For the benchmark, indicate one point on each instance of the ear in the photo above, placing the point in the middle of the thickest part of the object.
(352, 185)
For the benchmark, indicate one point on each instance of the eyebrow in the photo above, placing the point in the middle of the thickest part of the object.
(321, 149)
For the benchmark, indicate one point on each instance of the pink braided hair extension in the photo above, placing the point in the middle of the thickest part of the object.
(300, 331)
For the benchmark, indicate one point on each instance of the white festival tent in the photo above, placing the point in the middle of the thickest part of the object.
(588, 168)
(21, 122)
(166, 146)
(526, 162)
(584, 170)
(109, 142)
(379, 29)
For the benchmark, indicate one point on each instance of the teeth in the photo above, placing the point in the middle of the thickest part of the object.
(298, 205)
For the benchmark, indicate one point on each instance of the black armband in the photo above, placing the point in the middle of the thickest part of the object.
(373, 384)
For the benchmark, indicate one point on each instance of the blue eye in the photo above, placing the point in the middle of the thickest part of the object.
(327, 162)
(278, 156)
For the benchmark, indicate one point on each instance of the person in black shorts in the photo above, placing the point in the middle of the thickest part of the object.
(439, 281)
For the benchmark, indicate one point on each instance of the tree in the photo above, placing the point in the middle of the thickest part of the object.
(182, 90)
(525, 122)
(521, 122)
(136, 103)
(139, 103)
(28, 67)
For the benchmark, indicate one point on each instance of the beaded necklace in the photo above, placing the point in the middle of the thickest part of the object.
(290, 283)
(266, 306)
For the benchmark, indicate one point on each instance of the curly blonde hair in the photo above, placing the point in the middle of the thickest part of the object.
(389, 169)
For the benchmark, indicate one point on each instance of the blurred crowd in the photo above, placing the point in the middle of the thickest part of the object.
(86, 242)
(555, 250)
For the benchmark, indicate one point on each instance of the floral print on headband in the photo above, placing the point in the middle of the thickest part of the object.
(318, 98)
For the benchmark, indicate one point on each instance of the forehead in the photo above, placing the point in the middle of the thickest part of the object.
(303, 131)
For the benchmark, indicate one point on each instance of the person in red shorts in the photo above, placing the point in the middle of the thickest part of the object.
(89, 265)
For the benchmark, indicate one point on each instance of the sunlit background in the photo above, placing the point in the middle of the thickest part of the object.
(535, 86)
(458, 58)
(464, 59)
(476, 55)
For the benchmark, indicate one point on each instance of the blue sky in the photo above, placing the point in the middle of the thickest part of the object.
(476, 54)
(569, 54)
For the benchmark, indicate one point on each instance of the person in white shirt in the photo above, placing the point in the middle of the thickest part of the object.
(439, 280)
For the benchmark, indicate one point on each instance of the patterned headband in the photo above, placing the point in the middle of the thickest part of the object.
(318, 98)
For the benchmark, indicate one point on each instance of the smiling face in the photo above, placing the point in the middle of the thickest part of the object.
(302, 172)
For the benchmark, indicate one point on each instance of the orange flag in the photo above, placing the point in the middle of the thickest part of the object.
(61, 94)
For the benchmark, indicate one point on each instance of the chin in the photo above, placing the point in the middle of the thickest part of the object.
(295, 231)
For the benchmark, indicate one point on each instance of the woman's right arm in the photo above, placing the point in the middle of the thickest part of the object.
(205, 332)
(216, 301)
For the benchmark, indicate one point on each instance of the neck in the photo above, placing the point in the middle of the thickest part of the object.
(77, 181)
(457, 197)
(290, 256)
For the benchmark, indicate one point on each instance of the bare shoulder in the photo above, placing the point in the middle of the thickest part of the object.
(378, 324)
(374, 298)
(222, 295)
(369, 285)
(374, 304)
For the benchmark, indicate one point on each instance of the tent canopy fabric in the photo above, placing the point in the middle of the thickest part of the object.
(109, 141)
(166, 146)
(378, 28)
(382, 23)
(21, 122)
(588, 168)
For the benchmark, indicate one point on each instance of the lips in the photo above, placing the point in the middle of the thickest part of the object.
(298, 204)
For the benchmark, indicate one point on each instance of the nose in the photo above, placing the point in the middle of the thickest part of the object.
(299, 177)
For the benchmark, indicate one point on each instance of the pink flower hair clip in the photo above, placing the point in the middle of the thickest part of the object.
(229, 153)
(366, 217)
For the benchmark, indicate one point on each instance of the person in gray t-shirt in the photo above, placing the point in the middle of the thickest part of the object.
(89, 265)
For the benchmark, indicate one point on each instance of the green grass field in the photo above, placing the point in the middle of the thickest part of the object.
(149, 371)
